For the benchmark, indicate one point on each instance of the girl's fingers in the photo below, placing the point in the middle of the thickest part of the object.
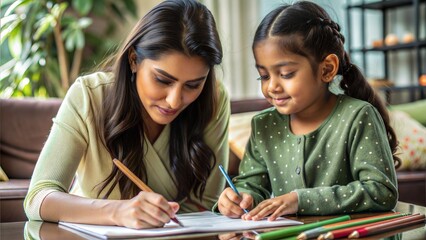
(247, 201)
(278, 212)
(266, 210)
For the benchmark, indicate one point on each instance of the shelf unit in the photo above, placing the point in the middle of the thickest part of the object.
(385, 7)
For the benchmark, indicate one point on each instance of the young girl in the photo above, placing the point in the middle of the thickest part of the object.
(315, 152)
(159, 109)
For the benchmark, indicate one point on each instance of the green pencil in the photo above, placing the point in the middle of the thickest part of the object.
(312, 233)
(290, 231)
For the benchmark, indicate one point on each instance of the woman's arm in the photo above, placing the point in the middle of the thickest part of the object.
(146, 210)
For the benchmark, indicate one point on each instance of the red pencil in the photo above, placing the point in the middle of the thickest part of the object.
(340, 233)
(391, 225)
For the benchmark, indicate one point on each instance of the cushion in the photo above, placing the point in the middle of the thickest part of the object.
(412, 140)
(415, 109)
(3, 176)
(239, 132)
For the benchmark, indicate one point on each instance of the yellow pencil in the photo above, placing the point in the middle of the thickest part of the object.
(138, 182)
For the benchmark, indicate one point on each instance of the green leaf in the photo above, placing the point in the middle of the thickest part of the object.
(79, 43)
(99, 7)
(84, 22)
(6, 20)
(15, 43)
(131, 7)
(15, 5)
(115, 9)
(82, 6)
(5, 33)
(70, 41)
(58, 9)
(44, 24)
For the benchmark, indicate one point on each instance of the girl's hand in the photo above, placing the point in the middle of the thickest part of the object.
(275, 207)
(146, 210)
(231, 205)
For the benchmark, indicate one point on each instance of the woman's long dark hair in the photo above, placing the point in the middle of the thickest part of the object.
(306, 29)
(188, 27)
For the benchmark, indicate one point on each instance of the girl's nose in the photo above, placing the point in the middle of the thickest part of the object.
(274, 85)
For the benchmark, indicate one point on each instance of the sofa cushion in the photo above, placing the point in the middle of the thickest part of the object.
(25, 125)
(412, 140)
(415, 109)
(3, 176)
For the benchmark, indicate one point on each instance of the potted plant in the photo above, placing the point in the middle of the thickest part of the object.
(47, 40)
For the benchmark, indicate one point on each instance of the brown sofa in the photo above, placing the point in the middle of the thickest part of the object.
(24, 126)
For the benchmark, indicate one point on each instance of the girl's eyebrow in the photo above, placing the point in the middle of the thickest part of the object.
(280, 64)
(175, 79)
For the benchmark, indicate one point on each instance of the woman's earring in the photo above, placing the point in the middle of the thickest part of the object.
(132, 78)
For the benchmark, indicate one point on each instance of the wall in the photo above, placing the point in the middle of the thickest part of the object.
(237, 21)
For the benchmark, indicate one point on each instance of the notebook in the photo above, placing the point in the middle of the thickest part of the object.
(197, 222)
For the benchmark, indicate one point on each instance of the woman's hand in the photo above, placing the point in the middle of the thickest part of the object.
(275, 207)
(146, 210)
(231, 205)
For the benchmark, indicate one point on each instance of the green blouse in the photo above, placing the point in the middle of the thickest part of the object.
(344, 166)
(74, 151)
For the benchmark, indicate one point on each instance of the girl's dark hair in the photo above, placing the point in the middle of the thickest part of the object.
(306, 29)
(185, 26)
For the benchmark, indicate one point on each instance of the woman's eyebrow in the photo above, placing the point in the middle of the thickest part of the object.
(174, 78)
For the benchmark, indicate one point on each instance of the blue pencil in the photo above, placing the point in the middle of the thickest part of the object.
(228, 179)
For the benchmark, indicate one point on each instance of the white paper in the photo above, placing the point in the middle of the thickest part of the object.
(193, 222)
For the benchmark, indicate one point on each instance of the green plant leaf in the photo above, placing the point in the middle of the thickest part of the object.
(70, 41)
(15, 42)
(115, 9)
(79, 42)
(15, 5)
(84, 22)
(5, 32)
(58, 9)
(46, 23)
(131, 7)
(6, 20)
(82, 6)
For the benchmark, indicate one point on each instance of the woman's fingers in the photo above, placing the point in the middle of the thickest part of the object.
(156, 210)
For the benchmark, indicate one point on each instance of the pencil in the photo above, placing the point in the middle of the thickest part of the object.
(138, 182)
(290, 231)
(228, 179)
(312, 233)
(340, 233)
(379, 228)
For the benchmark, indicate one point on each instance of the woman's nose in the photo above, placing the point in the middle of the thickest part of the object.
(175, 97)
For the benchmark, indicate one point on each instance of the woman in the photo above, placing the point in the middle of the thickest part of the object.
(160, 112)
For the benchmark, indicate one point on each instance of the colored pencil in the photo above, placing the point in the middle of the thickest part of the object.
(228, 179)
(290, 231)
(379, 228)
(340, 233)
(312, 233)
(138, 182)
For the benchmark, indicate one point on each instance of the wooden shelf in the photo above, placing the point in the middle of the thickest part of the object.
(382, 5)
(401, 46)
